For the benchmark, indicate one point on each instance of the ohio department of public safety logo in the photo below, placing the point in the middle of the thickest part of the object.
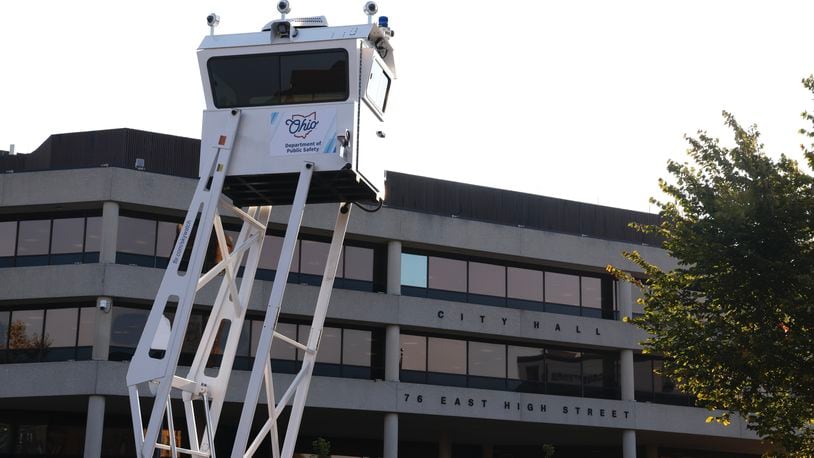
(302, 125)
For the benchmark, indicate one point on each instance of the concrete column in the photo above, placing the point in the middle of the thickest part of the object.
(445, 446)
(628, 443)
(392, 353)
(104, 323)
(626, 366)
(391, 435)
(94, 426)
(110, 232)
(394, 267)
(651, 451)
(625, 291)
(488, 450)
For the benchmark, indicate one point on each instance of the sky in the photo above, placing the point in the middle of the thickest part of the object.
(581, 100)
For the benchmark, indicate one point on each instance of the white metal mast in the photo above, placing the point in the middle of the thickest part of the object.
(305, 154)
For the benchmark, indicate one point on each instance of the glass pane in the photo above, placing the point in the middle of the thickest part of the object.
(413, 352)
(662, 384)
(525, 284)
(525, 363)
(591, 292)
(446, 355)
(356, 346)
(194, 333)
(279, 349)
(167, 232)
(643, 374)
(413, 270)
(61, 327)
(8, 237)
(330, 346)
(67, 235)
(271, 254)
(243, 344)
(314, 256)
(242, 81)
(447, 274)
(359, 263)
(487, 360)
(592, 369)
(127, 326)
(4, 317)
(378, 86)
(93, 234)
(136, 236)
(26, 329)
(563, 367)
(87, 326)
(273, 79)
(487, 279)
(561, 288)
(33, 237)
(314, 76)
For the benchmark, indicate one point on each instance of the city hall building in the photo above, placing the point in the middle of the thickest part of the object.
(465, 321)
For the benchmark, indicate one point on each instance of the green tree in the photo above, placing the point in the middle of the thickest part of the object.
(735, 319)
(321, 448)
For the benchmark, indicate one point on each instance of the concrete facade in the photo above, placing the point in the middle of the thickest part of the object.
(398, 412)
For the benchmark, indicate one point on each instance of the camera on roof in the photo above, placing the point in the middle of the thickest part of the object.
(212, 20)
(284, 7)
(371, 8)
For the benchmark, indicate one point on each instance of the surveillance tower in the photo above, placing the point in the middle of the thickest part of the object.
(294, 116)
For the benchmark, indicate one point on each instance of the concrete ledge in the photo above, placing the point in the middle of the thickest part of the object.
(146, 191)
(129, 283)
(108, 379)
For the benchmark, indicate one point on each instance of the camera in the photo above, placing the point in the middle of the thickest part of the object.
(284, 7)
(212, 20)
(104, 304)
(371, 8)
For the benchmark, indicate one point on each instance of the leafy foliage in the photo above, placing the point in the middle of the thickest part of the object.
(735, 319)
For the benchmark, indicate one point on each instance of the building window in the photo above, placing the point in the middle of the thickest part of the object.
(489, 283)
(446, 278)
(135, 244)
(46, 334)
(446, 361)
(126, 328)
(651, 386)
(33, 242)
(39, 242)
(413, 270)
(497, 366)
(526, 369)
(525, 288)
(487, 365)
(93, 238)
(8, 242)
(562, 289)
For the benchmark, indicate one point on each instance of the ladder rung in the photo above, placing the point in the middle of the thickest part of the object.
(184, 384)
(182, 450)
(293, 342)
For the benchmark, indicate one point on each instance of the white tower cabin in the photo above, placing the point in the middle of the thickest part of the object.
(294, 115)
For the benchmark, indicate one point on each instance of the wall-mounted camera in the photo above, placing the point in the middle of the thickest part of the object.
(104, 304)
